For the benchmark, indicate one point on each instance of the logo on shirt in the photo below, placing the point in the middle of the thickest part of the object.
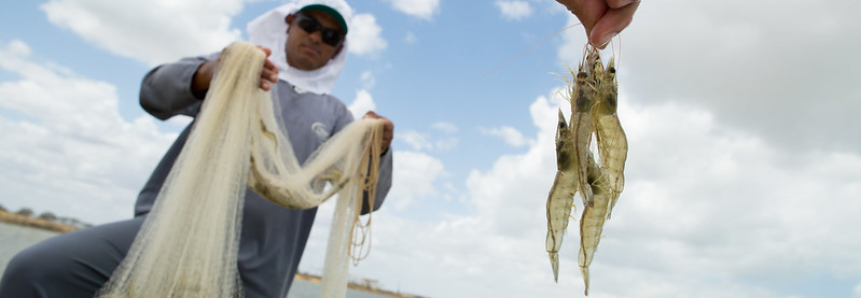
(321, 130)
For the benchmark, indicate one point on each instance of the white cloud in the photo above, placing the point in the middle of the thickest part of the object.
(415, 139)
(509, 134)
(365, 38)
(180, 121)
(150, 31)
(514, 10)
(415, 173)
(743, 65)
(411, 38)
(424, 9)
(73, 150)
(362, 104)
(424, 141)
(700, 204)
(446, 144)
(445, 127)
(368, 80)
(707, 212)
(857, 291)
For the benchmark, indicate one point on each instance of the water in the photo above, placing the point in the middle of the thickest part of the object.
(15, 238)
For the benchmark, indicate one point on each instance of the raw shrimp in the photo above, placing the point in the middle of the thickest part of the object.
(582, 100)
(592, 220)
(561, 198)
(594, 101)
(612, 143)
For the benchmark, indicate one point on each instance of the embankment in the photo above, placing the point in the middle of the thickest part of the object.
(358, 287)
(21, 220)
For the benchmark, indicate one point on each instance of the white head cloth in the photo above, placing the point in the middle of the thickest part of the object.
(270, 30)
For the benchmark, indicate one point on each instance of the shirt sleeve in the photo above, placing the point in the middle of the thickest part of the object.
(384, 181)
(166, 90)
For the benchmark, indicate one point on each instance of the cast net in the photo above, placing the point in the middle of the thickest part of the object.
(188, 245)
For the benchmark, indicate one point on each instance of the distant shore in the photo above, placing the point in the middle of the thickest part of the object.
(358, 287)
(33, 222)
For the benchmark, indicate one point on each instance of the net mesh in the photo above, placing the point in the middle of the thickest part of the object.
(188, 245)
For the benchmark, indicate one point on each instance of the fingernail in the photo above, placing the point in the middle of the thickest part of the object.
(606, 38)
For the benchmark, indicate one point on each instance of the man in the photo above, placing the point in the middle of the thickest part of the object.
(303, 64)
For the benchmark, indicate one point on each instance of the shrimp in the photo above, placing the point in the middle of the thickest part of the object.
(592, 220)
(594, 101)
(561, 198)
(612, 143)
(582, 127)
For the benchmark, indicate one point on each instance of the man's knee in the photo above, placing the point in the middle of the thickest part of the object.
(69, 265)
(26, 271)
(37, 263)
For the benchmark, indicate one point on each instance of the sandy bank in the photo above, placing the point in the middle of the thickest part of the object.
(21, 220)
(358, 287)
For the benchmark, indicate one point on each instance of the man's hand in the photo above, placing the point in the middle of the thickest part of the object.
(388, 129)
(269, 75)
(203, 77)
(602, 19)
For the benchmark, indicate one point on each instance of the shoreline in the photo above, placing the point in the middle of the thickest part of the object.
(38, 223)
(358, 287)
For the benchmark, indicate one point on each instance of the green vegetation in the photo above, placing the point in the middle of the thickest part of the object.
(25, 212)
(46, 218)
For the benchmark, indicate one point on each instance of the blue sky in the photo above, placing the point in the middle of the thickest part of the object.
(743, 175)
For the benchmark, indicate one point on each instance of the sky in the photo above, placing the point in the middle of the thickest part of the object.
(743, 171)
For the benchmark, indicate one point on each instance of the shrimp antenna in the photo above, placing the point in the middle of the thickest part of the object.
(527, 50)
(619, 65)
(613, 48)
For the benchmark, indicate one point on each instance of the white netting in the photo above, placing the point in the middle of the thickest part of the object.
(187, 247)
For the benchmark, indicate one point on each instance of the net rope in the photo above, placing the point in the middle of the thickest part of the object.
(188, 244)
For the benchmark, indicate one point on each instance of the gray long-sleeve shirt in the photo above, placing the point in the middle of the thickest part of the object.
(273, 238)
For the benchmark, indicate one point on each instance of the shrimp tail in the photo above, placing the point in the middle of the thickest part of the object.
(554, 262)
(585, 272)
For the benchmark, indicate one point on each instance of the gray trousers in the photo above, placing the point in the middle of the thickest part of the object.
(70, 265)
(73, 265)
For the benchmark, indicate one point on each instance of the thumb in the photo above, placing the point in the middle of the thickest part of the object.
(613, 22)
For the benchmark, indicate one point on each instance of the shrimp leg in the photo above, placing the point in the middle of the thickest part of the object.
(561, 198)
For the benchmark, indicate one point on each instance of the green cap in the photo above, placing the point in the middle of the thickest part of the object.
(331, 11)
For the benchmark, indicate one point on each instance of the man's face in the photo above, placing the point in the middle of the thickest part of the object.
(307, 51)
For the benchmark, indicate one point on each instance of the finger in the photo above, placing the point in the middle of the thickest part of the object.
(388, 125)
(265, 85)
(266, 50)
(269, 75)
(268, 64)
(616, 4)
(587, 11)
(613, 22)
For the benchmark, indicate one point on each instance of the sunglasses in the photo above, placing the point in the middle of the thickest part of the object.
(332, 37)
